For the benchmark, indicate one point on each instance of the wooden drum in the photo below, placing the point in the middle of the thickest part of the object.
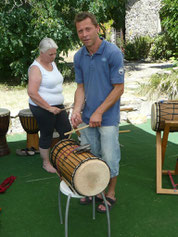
(4, 125)
(85, 173)
(29, 124)
(164, 111)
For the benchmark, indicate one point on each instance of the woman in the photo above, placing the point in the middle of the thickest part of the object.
(46, 99)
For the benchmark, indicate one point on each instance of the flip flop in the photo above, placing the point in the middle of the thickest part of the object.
(25, 152)
(88, 200)
(110, 202)
(35, 150)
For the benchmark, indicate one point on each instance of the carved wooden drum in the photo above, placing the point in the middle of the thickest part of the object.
(29, 124)
(85, 173)
(4, 125)
(164, 111)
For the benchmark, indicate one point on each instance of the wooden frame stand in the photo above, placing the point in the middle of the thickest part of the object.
(161, 144)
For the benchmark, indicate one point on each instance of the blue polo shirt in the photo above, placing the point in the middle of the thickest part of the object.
(98, 73)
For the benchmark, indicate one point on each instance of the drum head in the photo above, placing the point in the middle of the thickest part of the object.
(4, 112)
(26, 112)
(91, 177)
(154, 117)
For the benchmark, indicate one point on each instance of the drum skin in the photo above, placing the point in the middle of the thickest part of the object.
(164, 111)
(85, 173)
(4, 125)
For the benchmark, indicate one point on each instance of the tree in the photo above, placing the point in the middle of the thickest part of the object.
(169, 20)
(25, 22)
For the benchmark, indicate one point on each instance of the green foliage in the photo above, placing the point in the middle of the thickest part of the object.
(169, 17)
(138, 49)
(25, 23)
(161, 84)
(67, 70)
(165, 45)
(162, 47)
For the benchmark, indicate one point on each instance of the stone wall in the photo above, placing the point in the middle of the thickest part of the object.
(142, 18)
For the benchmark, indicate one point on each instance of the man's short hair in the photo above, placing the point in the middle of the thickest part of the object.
(84, 15)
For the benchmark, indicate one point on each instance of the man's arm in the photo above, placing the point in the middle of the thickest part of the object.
(79, 99)
(111, 99)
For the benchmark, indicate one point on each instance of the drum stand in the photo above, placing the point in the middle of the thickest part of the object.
(161, 144)
(65, 189)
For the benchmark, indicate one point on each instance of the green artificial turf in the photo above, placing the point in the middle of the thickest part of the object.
(30, 205)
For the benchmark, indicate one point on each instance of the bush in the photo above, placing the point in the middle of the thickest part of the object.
(162, 47)
(161, 84)
(138, 49)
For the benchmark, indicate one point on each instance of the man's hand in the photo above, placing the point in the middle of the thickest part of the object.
(76, 119)
(95, 120)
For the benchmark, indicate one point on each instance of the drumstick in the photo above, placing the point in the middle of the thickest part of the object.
(126, 109)
(123, 131)
(67, 108)
(14, 116)
(75, 130)
(78, 129)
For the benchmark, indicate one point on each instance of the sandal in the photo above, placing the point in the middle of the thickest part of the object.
(110, 203)
(88, 200)
(25, 152)
(35, 150)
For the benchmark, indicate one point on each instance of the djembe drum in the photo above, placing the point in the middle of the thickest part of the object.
(55, 139)
(85, 173)
(4, 125)
(164, 111)
(29, 124)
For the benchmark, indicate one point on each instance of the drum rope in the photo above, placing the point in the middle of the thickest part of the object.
(165, 111)
(70, 163)
(67, 159)
(172, 181)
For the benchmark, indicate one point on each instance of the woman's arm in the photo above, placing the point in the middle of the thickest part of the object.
(34, 81)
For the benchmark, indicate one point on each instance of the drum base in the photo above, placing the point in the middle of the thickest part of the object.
(54, 141)
(33, 140)
(4, 149)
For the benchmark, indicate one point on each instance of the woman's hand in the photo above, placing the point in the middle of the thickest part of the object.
(54, 110)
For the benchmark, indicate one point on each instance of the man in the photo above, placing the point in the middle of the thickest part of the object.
(100, 83)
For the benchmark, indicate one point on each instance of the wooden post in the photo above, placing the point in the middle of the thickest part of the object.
(161, 145)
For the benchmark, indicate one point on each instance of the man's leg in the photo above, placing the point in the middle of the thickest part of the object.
(111, 154)
(111, 188)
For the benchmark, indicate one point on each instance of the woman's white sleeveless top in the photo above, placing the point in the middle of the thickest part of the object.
(51, 85)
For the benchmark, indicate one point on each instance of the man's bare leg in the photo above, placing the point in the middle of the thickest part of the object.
(110, 193)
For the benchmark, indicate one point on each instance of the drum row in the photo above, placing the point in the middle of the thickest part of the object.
(28, 123)
(85, 173)
(160, 112)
